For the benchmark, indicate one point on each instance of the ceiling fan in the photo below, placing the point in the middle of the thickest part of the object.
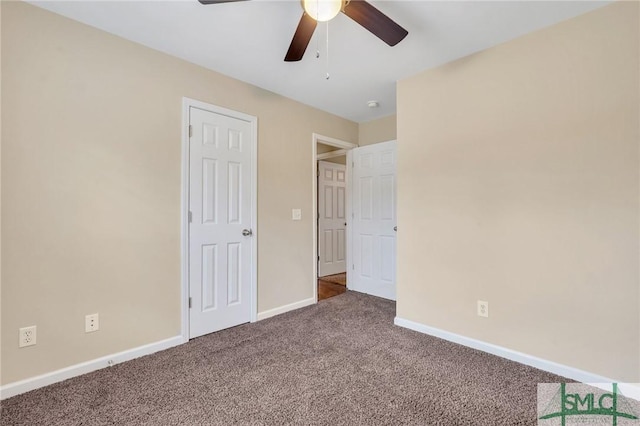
(360, 11)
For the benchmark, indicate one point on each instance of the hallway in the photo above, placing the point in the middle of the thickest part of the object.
(331, 285)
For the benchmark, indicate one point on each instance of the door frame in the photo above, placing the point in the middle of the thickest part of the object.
(187, 103)
(346, 147)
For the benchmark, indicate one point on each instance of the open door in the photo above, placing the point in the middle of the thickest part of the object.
(373, 224)
(332, 220)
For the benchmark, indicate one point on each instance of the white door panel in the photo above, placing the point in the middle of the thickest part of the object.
(220, 204)
(332, 218)
(374, 220)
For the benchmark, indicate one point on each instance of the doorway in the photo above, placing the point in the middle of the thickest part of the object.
(332, 226)
(331, 199)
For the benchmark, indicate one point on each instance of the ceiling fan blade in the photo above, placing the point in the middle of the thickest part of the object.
(301, 38)
(375, 21)
(217, 1)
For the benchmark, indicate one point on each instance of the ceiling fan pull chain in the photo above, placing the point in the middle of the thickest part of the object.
(328, 50)
(317, 38)
(317, 48)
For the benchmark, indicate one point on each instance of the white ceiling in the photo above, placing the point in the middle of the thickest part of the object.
(248, 41)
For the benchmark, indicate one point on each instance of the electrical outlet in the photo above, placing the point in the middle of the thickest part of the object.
(296, 214)
(27, 336)
(91, 323)
(483, 308)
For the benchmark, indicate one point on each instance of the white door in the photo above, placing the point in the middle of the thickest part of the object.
(373, 225)
(220, 256)
(331, 218)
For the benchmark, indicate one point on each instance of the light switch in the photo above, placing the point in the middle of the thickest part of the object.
(296, 214)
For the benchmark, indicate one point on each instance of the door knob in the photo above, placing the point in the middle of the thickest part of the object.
(395, 228)
(247, 232)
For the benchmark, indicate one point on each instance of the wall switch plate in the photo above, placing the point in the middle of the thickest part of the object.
(296, 214)
(483, 308)
(91, 323)
(27, 336)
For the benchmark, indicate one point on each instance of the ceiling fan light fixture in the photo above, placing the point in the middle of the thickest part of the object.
(322, 10)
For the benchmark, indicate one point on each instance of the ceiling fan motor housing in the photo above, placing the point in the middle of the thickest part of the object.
(361, 11)
(323, 10)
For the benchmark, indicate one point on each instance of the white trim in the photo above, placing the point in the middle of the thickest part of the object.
(314, 215)
(349, 212)
(22, 386)
(630, 390)
(286, 308)
(254, 218)
(315, 139)
(184, 223)
(522, 358)
(332, 154)
(184, 207)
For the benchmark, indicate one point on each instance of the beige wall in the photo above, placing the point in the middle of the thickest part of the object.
(375, 131)
(518, 177)
(322, 149)
(337, 160)
(91, 188)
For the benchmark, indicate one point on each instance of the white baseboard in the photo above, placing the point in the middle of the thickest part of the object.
(286, 308)
(522, 358)
(22, 386)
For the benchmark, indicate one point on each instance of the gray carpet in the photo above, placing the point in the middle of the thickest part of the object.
(340, 362)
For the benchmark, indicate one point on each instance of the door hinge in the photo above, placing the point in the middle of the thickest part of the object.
(190, 130)
(353, 267)
(318, 258)
(189, 303)
(190, 217)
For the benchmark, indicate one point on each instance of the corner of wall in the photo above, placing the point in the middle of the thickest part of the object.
(376, 131)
